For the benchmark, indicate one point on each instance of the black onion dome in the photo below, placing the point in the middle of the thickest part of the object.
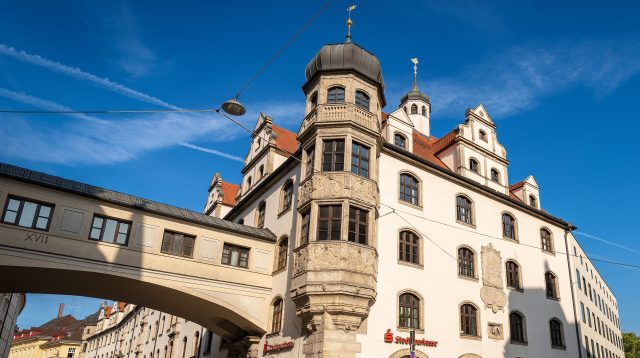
(415, 94)
(346, 56)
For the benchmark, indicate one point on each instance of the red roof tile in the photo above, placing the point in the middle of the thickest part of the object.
(285, 140)
(444, 142)
(517, 185)
(230, 192)
(423, 147)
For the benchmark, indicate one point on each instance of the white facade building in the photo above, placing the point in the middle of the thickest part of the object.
(385, 229)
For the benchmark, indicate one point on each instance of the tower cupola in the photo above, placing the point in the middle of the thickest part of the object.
(416, 104)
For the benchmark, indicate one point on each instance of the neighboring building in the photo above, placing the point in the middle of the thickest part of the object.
(127, 330)
(221, 198)
(385, 229)
(11, 304)
(60, 337)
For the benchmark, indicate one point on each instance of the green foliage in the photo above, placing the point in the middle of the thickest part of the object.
(631, 345)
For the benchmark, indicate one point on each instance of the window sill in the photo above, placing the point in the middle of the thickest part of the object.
(552, 253)
(415, 206)
(475, 338)
(515, 289)
(510, 240)
(408, 329)
(282, 269)
(553, 298)
(472, 279)
(562, 348)
(271, 335)
(411, 264)
(519, 343)
(472, 225)
(284, 211)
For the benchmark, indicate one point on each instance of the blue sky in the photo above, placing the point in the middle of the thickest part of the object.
(560, 80)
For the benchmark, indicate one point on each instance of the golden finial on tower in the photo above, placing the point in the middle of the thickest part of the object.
(414, 60)
(349, 22)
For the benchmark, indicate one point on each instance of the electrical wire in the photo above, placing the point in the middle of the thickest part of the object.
(109, 111)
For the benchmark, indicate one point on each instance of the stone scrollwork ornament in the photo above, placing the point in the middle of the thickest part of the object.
(492, 288)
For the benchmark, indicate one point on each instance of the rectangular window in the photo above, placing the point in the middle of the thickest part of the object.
(110, 230)
(358, 225)
(578, 279)
(333, 155)
(586, 343)
(177, 244)
(360, 159)
(311, 153)
(584, 318)
(329, 222)
(233, 255)
(71, 352)
(589, 316)
(27, 213)
(304, 227)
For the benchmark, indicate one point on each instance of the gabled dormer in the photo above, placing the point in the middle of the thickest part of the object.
(270, 147)
(528, 191)
(221, 198)
(473, 151)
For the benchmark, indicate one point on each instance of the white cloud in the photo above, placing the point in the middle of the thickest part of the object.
(515, 80)
(77, 73)
(104, 141)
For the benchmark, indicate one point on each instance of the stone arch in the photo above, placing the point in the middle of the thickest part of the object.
(405, 353)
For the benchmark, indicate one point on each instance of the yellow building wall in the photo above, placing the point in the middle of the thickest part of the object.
(27, 349)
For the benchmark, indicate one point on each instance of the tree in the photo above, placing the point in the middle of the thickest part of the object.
(631, 345)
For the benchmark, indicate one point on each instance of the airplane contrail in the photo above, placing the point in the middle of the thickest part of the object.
(607, 242)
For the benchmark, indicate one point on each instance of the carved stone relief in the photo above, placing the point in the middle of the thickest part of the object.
(335, 256)
(491, 291)
(495, 330)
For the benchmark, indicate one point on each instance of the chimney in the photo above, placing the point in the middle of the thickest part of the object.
(60, 310)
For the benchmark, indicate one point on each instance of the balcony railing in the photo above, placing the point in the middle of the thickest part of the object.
(339, 113)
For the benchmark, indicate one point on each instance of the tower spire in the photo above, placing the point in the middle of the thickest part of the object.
(349, 22)
(415, 75)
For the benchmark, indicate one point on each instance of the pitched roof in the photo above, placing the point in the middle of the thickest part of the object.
(516, 186)
(230, 192)
(423, 147)
(286, 140)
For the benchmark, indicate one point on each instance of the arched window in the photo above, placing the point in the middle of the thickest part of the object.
(551, 284)
(495, 175)
(474, 166)
(533, 201)
(362, 100)
(466, 262)
(287, 195)
(414, 109)
(408, 247)
(260, 212)
(184, 347)
(468, 320)
(556, 333)
(483, 135)
(517, 328)
(248, 182)
(261, 172)
(546, 241)
(409, 189)
(464, 210)
(196, 344)
(276, 318)
(409, 311)
(313, 100)
(513, 275)
(335, 95)
(508, 227)
(424, 111)
(400, 141)
(283, 247)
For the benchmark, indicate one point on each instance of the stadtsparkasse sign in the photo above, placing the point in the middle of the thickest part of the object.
(277, 346)
(389, 338)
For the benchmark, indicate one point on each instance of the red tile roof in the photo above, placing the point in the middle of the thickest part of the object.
(230, 192)
(444, 142)
(517, 185)
(285, 140)
(423, 147)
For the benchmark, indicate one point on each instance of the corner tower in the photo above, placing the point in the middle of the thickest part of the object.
(417, 105)
(335, 261)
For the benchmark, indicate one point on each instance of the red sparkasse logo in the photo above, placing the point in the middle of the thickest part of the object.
(277, 347)
(388, 338)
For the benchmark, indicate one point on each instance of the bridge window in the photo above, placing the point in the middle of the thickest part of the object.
(358, 225)
(276, 319)
(27, 213)
(110, 230)
(329, 222)
(233, 255)
(174, 243)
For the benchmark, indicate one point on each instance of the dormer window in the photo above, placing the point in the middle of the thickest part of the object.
(335, 95)
(474, 166)
(424, 111)
(533, 201)
(414, 109)
(362, 100)
(400, 140)
(495, 176)
(483, 135)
